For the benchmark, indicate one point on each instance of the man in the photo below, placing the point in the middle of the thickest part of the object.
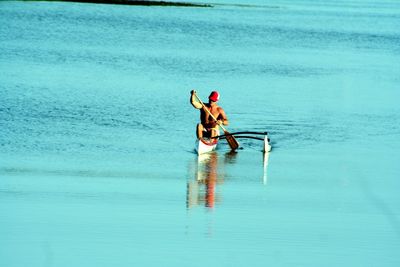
(208, 127)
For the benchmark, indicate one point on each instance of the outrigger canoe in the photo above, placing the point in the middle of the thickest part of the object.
(205, 145)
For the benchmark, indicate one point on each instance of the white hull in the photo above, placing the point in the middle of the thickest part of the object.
(202, 146)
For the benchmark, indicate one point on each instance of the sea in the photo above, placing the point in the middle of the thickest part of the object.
(97, 134)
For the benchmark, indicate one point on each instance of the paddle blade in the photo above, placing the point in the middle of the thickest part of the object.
(232, 142)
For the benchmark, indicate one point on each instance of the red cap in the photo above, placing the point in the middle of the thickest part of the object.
(214, 96)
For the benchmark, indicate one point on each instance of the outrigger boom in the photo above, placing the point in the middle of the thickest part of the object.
(248, 135)
(244, 132)
(245, 136)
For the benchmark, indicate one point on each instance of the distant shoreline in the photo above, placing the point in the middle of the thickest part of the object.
(130, 2)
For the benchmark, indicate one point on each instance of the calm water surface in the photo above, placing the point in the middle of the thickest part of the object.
(97, 166)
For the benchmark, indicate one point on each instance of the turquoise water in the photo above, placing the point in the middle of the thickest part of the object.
(97, 166)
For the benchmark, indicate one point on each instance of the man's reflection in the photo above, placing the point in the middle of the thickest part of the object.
(201, 190)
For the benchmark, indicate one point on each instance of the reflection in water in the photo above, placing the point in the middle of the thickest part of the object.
(201, 190)
(210, 172)
(265, 167)
(230, 157)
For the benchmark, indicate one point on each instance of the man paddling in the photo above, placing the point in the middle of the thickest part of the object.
(208, 127)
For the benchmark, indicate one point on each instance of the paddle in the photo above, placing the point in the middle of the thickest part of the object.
(229, 138)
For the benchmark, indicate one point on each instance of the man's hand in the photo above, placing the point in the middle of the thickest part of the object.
(194, 100)
(222, 122)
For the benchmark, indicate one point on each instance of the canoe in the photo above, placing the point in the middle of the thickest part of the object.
(204, 145)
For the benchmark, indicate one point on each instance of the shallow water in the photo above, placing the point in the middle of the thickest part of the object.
(97, 165)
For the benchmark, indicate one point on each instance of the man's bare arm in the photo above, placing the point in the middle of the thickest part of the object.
(193, 100)
(222, 117)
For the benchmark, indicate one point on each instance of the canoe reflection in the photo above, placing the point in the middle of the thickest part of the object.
(208, 172)
(202, 189)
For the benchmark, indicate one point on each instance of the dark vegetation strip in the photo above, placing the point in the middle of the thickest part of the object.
(132, 2)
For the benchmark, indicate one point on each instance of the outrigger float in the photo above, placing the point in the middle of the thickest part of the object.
(205, 145)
